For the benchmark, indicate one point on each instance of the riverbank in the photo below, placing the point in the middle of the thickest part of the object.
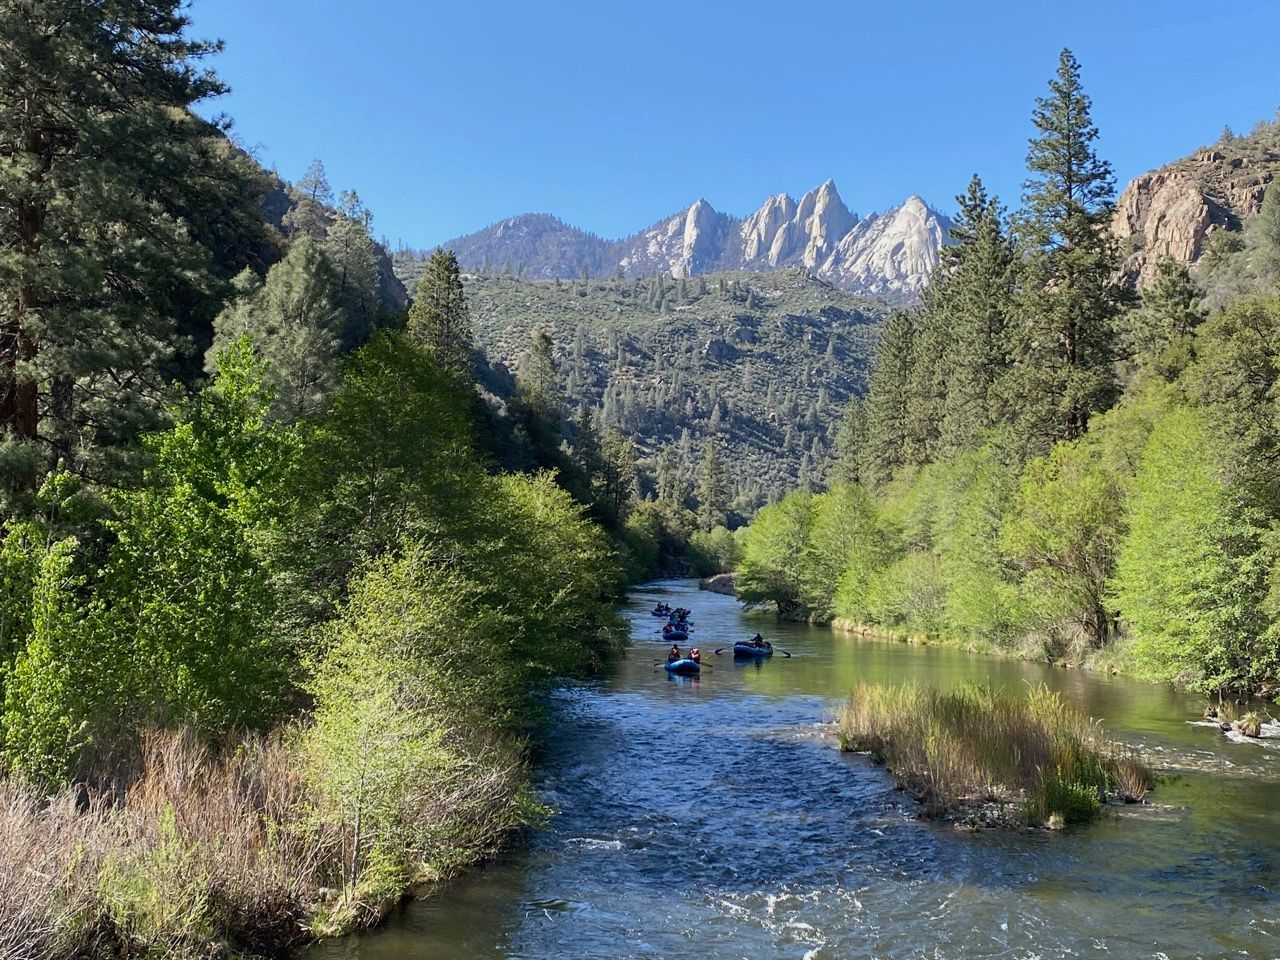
(1111, 660)
(234, 850)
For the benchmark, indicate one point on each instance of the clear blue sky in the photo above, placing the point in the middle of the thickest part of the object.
(449, 116)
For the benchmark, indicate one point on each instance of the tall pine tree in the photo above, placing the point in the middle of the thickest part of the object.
(973, 289)
(1068, 299)
(438, 317)
(121, 215)
(713, 488)
(886, 403)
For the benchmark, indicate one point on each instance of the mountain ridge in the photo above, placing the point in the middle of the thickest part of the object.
(887, 254)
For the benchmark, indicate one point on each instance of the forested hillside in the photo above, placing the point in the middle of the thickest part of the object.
(1047, 462)
(759, 366)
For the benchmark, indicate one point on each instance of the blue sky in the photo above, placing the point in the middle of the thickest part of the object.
(449, 116)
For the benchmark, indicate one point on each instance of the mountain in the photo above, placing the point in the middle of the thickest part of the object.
(764, 364)
(1177, 209)
(887, 255)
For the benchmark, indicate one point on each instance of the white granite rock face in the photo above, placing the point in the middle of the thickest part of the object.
(887, 255)
(890, 254)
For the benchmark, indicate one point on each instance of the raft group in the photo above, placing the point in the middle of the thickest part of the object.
(676, 631)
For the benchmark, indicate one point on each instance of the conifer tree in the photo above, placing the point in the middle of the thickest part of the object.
(294, 320)
(352, 251)
(1068, 299)
(313, 197)
(1162, 331)
(886, 403)
(438, 316)
(314, 184)
(1267, 233)
(539, 381)
(618, 475)
(846, 467)
(108, 254)
(713, 491)
(973, 289)
(925, 390)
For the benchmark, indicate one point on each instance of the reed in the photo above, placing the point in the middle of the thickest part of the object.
(220, 850)
(975, 745)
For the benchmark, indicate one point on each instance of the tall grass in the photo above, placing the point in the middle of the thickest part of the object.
(976, 744)
(213, 851)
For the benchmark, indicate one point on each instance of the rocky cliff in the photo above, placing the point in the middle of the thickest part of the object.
(1173, 210)
(887, 255)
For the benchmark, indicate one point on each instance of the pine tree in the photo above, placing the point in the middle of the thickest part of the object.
(886, 404)
(713, 494)
(618, 475)
(109, 254)
(438, 317)
(311, 214)
(1267, 234)
(925, 390)
(849, 443)
(1064, 349)
(314, 184)
(1162, 331)
(294, 320)
(973, 289)
(354, 255)
(539, 381)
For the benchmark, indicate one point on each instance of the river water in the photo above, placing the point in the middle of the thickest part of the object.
(707, 818)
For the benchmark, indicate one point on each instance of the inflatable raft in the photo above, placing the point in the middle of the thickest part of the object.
(685, 667)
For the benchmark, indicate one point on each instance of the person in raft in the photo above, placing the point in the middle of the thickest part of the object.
(695, 655)
(675, 654)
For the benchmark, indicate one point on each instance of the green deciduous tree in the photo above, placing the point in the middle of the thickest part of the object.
(1191, 575)
(181, 625)
(1063, 534)
(845, 532)
(770, 551)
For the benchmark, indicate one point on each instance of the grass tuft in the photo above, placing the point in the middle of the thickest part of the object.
(976, 745)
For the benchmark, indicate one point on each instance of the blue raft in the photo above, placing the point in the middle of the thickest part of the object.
(750, 651)
(685, 667)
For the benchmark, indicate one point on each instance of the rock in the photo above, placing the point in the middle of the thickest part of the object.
(761, 230)
(1170, 211)
(1249, 726)
(885, 255)
(1170, 215)
(891, 255)
(718, 349)
(722, 583)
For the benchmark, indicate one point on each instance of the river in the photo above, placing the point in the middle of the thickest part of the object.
(706, 818)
